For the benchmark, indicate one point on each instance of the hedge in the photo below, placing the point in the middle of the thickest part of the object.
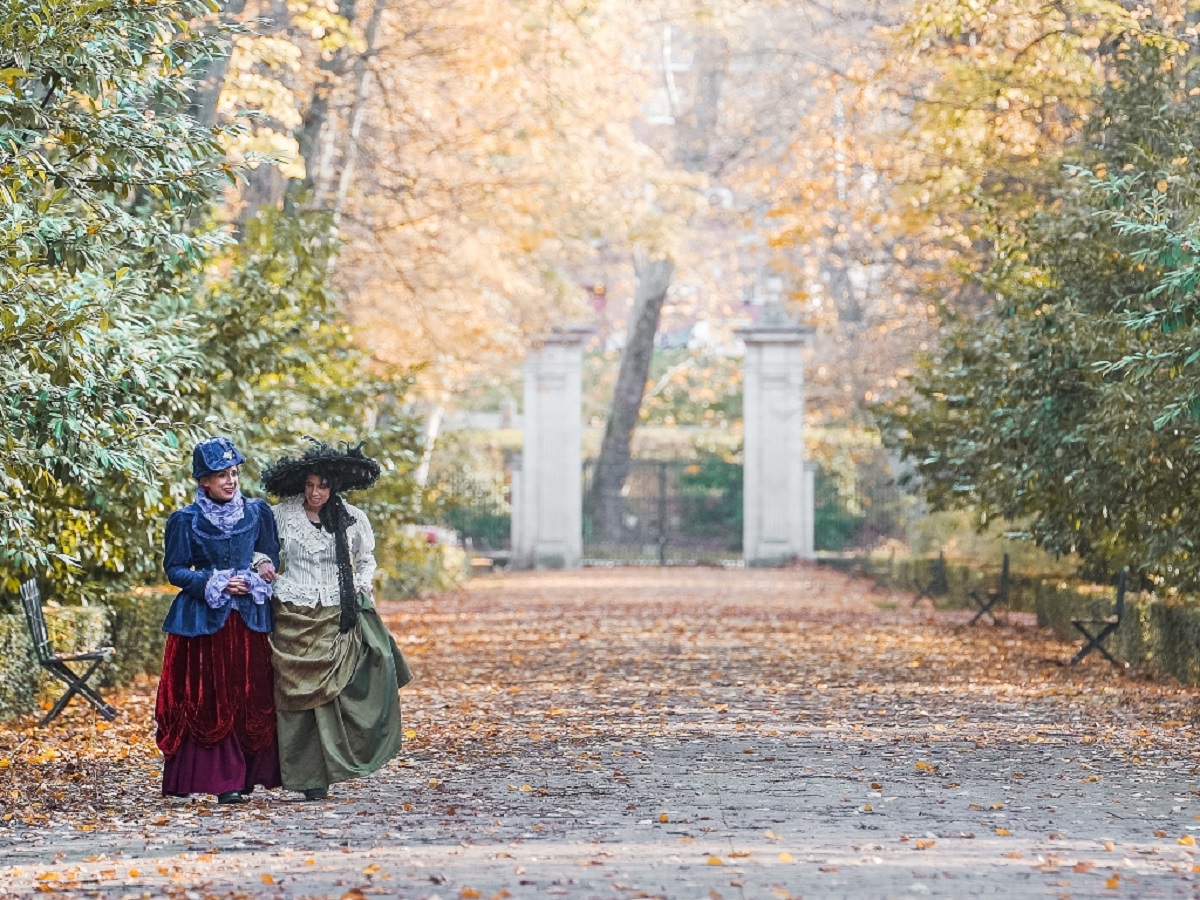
(1158, 635)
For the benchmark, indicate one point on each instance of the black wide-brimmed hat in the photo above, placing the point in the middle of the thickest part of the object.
(347, 469)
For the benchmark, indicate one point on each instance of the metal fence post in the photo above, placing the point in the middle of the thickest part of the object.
(662, 513)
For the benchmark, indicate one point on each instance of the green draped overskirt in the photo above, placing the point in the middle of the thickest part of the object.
(336, 695)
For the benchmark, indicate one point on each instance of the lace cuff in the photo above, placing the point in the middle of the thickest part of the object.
(215, 594)
(260, 591)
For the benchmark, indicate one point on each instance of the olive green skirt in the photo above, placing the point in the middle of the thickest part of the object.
(336, 697)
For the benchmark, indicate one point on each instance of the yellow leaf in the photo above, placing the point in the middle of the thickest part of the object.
(1187, 840)
(715, 861)
(1113, 882)
(1003, 832)
(785, 857)
(664, 818)
(526, 788)
(469, 894)
(925, 845)
(134, 873)
(1162, 186)
(268, 878)
(372, 869)
(1109, 845)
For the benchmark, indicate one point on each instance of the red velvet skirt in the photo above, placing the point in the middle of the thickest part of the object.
(216, 686)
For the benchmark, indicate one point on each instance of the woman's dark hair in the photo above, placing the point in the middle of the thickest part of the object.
(336, 519)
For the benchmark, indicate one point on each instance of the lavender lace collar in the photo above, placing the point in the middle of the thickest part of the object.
(223, 515)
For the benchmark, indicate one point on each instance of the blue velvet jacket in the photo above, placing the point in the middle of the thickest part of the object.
(195, 547)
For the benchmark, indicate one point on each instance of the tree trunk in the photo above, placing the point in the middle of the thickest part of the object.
(612, 467)
(313, 139)
(210, 77)
(265, 184)
(358, 110)
(697, 126)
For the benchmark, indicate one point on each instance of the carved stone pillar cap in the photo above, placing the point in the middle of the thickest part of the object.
(775, 326)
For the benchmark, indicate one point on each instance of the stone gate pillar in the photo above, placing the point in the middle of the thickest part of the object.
(547, 497)
(778, 486)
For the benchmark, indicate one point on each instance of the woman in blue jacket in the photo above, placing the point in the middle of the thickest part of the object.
(216, 710)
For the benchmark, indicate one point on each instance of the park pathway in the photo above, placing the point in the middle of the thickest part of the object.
(676, 733)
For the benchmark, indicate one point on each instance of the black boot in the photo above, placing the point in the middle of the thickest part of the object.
(231, 797)
(316, 793)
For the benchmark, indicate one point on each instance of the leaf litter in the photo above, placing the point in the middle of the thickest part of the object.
(552, 705)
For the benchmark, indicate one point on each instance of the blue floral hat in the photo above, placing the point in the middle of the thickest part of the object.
(215, 454)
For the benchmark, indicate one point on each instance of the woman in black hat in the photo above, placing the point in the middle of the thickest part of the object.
(337, 669)
(215, 709)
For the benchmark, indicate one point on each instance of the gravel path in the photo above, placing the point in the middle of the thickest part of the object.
(684, 733)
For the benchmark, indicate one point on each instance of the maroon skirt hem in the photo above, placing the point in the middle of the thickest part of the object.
(199, 769)
(215, 687)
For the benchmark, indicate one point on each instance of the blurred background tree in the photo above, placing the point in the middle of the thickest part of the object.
(1069, 405)
(346, 218)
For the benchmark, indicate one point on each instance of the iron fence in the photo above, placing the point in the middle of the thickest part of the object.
(477, 505)
(673, 512)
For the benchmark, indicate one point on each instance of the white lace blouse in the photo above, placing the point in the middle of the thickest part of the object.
(308, 557)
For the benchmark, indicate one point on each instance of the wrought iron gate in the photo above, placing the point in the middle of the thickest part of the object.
(673, 512)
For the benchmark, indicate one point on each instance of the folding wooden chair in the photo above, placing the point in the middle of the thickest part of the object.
(936, 583)
(1107, 625)
(998, 594)
(56, 663)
